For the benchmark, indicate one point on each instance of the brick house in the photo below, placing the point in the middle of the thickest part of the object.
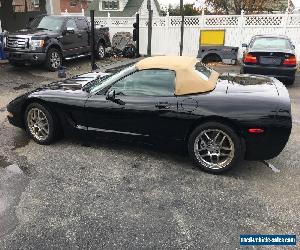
(73, 6)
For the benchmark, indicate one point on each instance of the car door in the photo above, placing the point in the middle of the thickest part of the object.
(71, 40)
(83, 33)
(145, 105)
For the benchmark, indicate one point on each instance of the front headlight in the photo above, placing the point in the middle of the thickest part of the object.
(34, 44)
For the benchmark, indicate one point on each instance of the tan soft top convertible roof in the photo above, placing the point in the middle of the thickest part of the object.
(188, 81)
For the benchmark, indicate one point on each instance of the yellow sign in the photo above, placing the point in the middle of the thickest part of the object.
(212, 37)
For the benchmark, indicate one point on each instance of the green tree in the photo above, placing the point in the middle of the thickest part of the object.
(188, 10)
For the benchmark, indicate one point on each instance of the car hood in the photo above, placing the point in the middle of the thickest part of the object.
(75, 83)
(34, 32)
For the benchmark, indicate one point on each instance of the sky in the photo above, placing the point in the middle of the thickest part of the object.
(166, 2)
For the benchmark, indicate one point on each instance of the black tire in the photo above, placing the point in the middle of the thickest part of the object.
(53, 128)
(100, 51)
(16, 64)
(289, 81)
(129, 51)
(53, 59)
(234, 142)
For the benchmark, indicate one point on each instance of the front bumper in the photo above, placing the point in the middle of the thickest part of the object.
(277, 72)
(30, 57)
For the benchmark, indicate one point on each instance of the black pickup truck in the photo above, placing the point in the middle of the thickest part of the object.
(50, 39)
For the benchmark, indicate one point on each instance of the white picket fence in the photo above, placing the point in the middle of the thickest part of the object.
(238, 29)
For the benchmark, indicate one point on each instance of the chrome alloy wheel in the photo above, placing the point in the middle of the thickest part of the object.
(101, 51)
(55, 59)
(214, 149)
(38, 124)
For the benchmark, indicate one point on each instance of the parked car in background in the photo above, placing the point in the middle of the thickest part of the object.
(219, 118)
(50, 39)
(270, 55)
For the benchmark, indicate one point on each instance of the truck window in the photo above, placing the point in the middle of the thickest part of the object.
(82, 24)
(71, 24)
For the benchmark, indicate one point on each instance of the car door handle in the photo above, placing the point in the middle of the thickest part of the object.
(162, 105)
(79, 35)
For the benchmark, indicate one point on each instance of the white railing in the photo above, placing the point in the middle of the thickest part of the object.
(238, 29)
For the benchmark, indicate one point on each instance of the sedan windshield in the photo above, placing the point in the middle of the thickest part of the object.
(271, 43)
(47, 23)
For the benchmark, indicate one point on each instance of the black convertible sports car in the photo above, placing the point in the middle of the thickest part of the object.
(220, 118)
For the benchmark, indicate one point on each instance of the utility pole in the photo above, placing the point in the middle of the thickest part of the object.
(93, 64)
(137, 34)
(150, 13)
(182, 27)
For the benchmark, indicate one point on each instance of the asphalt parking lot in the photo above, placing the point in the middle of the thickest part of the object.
(118, 195)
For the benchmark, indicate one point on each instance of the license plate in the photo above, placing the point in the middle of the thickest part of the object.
(270, 60)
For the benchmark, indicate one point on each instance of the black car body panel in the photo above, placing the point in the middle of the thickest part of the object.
(270, 61)
(241, 101)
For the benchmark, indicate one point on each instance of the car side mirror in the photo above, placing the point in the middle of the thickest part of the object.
(111, 95)
(245, 45)
(70, 30)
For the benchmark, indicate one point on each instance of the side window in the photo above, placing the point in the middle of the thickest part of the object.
(154, 82)
(71, 24)
(82, 24)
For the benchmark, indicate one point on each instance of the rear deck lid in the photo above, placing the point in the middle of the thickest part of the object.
(252, 84)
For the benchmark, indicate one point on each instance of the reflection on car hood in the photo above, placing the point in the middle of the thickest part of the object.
(78, 82)
(252, 84)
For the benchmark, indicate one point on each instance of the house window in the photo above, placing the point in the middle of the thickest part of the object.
(74, 3)
(26, 5)
(110, 5)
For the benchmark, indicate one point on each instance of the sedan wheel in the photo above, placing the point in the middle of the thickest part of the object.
(38, 124)
(214, 147)
(41, 124)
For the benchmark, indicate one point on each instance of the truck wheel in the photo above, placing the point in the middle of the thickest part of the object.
(53, 59)
(100, 52)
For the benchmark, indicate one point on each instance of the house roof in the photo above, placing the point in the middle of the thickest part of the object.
(130, 9)
(188, 80)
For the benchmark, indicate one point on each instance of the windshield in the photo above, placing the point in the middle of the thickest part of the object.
(102, 83)
(47, 23)
(271, 43)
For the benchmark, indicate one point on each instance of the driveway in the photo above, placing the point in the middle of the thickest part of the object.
(123, 195)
